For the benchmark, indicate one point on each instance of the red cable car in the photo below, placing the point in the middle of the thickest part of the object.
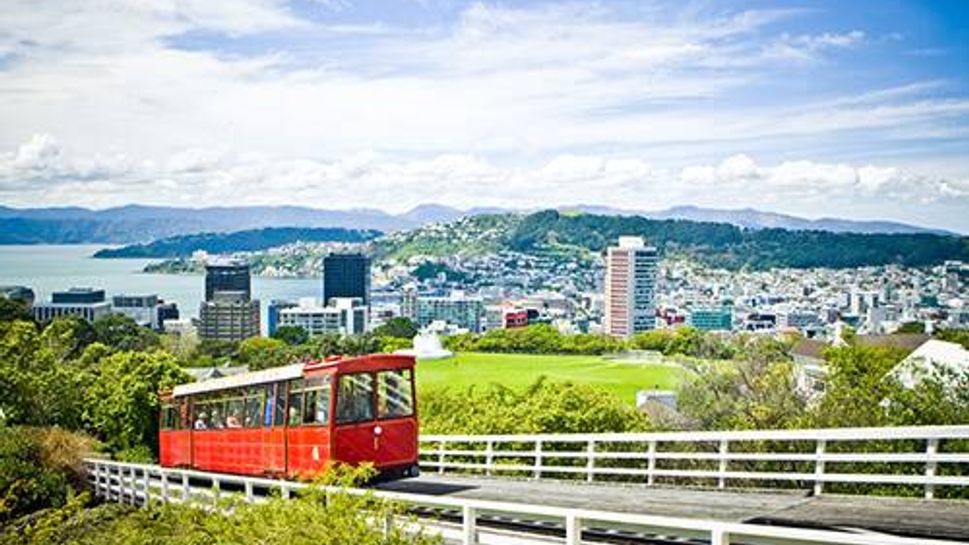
(291, 421)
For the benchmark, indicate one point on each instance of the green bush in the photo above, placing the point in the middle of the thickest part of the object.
(541, 408)
(313, 518)
(37, 468)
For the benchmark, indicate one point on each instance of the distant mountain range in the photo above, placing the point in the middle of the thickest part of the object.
(139, 224)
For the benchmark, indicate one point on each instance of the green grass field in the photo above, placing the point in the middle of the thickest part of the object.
(521, 370)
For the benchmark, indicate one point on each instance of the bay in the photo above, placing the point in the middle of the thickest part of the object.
(49, 268)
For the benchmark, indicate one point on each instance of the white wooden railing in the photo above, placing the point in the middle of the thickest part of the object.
(141, 484)
(927, 456)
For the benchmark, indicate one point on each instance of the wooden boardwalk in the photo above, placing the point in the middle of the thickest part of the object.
(940, 519)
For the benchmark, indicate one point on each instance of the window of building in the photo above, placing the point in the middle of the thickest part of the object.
(395, 397)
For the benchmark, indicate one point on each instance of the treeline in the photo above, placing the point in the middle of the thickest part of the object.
(238, 241)
(546, 339)
(731, 247)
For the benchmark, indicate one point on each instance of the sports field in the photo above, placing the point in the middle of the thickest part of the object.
(520, 370)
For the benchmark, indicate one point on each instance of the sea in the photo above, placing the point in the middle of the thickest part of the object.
(49, 268)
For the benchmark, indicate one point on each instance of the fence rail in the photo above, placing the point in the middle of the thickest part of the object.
(141, 484)
(929, 457)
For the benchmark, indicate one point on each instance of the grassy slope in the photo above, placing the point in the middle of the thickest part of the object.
(521, 370)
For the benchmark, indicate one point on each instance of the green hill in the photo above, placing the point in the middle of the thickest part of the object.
(239, 241)
(731, 247)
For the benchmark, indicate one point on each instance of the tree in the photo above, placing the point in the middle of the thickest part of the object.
(400, 327)
(291, 334)
(14, 309)
(758, 393)
(122, 402)
(123, 333)
(66, 337)
(263, 353)
(856, 386)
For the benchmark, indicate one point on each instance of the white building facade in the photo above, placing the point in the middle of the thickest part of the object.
(630, 301)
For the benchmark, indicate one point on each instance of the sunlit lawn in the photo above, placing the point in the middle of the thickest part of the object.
(520, 370)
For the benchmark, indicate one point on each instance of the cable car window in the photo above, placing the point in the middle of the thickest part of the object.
(317, 410)
(184, 416)
(168, 417)
(267, 413)
(203, 414)
(218, 411)
(395, 398)
(254, 403)
(354, 401)
(295, 406)
(280, 418)
(236, 407)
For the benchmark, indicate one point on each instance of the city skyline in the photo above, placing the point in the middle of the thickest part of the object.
(811, 109)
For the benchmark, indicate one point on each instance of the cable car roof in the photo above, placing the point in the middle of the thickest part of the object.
(293, 371)
(242, 379)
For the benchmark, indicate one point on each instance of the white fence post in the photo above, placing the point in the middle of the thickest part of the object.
(651, 464)
(249, 495)
(440, 457)
(718, 536)
(573, 530)
(216, 491)
(147, 483)
(590, 465)
(133, 486)
(931, 449)
(538, 460)
(469, 526)
(164, 486)
(819, 467)
(489, 456)
(722, 480)
(186, 490)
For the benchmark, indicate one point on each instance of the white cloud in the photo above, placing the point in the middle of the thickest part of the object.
(549, 104)
(197, 177)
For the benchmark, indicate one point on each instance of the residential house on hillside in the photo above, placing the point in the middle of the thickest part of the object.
(948, 361)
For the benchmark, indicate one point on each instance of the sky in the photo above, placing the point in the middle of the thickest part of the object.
(816, 108)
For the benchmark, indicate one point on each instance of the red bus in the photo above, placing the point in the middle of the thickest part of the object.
(291, 421)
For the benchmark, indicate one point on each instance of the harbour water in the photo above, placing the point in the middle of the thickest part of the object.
(48, 268)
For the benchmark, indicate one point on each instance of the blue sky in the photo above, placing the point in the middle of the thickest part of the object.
(854, 109)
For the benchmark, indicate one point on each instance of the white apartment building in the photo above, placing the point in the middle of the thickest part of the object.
(344, 316)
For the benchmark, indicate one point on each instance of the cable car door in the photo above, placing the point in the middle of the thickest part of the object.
(356, 433)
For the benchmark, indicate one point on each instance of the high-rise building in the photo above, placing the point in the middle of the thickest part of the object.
(229, 316)
(227, 275)
(346, 276)
(630, 287)
(228, 313)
